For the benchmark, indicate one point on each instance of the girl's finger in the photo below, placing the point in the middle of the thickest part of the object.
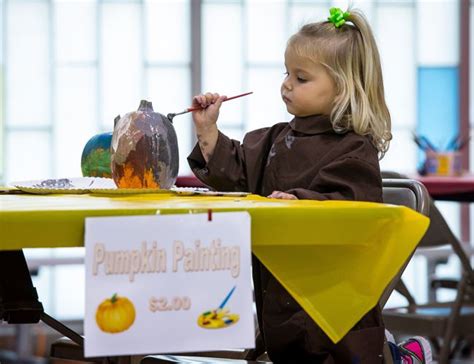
(209, 98)
(219, 101)
(196, 100)
(204, 101)
(282, 195)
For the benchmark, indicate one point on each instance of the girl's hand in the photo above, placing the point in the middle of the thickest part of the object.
(282, 195)
(210, 103)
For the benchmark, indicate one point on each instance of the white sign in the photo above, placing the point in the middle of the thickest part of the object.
(168, 283)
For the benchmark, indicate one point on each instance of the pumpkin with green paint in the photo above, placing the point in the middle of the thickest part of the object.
(95, 160)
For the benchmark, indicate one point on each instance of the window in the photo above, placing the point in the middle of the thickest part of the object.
(69, 67)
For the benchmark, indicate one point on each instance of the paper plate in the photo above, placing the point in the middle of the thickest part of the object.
(100, 185)
(189, 191)
(206, 192)
(220, 193)
(64, 185)
(128, 191)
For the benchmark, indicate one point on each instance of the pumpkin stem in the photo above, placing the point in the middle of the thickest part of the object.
(145, 106)
(117, 118)
(114, 298)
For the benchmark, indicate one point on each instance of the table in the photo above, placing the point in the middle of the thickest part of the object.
(455, 189)
(334, 257)
(459, 188)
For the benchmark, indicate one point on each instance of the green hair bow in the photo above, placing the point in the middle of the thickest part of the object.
(338, 17)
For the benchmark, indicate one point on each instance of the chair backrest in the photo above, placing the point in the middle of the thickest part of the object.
(409, 193)
(406, 192)
(439, 233)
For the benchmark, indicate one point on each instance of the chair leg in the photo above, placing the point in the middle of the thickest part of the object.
(458, 344)
(387, 354)
(435, 345)
(446, 348)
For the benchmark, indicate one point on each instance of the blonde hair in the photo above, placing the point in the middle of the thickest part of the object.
(351, 57)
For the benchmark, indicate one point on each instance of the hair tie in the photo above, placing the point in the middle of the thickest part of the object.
(338, 17)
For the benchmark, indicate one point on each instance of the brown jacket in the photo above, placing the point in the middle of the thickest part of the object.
(307, 158)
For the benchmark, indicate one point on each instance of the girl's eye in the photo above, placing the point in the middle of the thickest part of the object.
(286, 73)
(302, 80)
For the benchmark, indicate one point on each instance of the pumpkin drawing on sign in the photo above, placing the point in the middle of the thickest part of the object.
(115, 314)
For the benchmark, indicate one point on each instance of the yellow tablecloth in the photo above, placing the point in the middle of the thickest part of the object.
(334, 257)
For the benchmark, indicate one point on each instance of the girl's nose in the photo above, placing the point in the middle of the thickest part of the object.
(287, 85)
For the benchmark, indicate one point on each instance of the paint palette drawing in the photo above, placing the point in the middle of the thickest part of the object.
(217, 319)
(220, 317)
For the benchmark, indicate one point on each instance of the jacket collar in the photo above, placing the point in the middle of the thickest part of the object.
(314, 124)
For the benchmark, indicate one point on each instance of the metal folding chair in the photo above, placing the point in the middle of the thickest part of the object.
(444, 323)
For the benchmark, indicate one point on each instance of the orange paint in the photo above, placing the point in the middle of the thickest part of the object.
(131, 180)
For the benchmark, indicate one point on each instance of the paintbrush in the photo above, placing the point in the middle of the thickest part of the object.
(189, 109)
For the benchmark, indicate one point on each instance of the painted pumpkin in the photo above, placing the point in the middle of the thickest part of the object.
(144, 150)
(95, 160)
(115, 314)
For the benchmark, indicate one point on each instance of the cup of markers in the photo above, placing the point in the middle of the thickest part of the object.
(445, 162)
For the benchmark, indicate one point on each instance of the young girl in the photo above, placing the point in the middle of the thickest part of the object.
(330, 150)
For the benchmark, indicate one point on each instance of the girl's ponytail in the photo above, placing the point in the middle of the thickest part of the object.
(372, 82)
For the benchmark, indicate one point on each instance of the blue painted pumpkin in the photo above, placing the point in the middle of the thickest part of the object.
(95, 160)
